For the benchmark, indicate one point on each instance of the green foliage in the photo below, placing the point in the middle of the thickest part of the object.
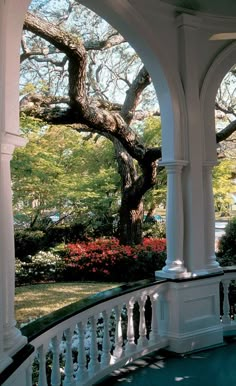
(227, 245)
(223, 186)
(154, 229)
(152, 132)
(152, 138)
(43, 267)
(28, 242)
(60, 170)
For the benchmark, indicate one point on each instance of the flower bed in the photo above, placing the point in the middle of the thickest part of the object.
(97, 260)
(106, 259)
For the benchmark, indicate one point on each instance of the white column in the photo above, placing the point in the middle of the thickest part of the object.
(209, 212)
(12, 338)
(174, 222)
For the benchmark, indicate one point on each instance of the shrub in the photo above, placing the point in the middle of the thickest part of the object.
(28, 242)
(43, 267)
(154, 229)
(106, 259)
(227, 245)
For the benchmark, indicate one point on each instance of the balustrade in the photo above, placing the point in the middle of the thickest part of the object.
(122, 326)
(90, 341)
(228, 301)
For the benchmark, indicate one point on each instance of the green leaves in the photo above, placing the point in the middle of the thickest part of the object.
(59, 170)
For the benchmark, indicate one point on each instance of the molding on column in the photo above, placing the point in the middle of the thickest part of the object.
(12, 139)
(6, 149)
(187, 20)
(174, 163)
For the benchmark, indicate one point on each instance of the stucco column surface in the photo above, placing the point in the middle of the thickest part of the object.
(174, 222)
(12, 338)
(210, 257)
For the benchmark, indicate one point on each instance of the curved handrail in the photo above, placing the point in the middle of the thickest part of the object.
(82, 317)
(43, 324)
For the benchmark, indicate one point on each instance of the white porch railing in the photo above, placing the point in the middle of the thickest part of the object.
(113, 341)
(228, 301)
(80, 344)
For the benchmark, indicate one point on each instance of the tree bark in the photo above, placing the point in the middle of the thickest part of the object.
(131, 221)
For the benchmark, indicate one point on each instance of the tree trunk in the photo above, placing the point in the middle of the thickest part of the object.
(131, 221)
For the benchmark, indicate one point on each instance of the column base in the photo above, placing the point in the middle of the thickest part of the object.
(4, 363)
(191, 312)
(173, 273)
(200, 340)
(12, 344)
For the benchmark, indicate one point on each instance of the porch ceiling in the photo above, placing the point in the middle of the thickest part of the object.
(215, 7)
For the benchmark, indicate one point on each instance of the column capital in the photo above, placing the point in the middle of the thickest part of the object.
(174, 166)
(12, 139)
(187, 20)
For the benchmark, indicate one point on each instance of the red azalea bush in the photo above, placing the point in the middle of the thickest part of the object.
(106, 259)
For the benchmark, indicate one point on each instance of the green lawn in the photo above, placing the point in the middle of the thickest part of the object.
(36, 300)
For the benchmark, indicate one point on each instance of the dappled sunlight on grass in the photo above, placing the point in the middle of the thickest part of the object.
(36, 300)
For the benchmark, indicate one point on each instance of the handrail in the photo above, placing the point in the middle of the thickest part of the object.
(41, 325)
(119, 340)
(123, 323)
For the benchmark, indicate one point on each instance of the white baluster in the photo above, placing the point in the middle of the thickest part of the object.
(28, 374)
(130, 346)
(82, 372)
(55, 375)
(142, 322)
(118, 351)
(69, 370)
(105, 360)
(154, 334)
(93, 364)
(42, 366)
(226, 306)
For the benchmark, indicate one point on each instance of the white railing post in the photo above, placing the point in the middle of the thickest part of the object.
(93, 364)
(105, 359)
(84, 324)
(55, 375)
(82, 372)
(69, 368)
(143, 341)
(28, 374)
(130, 346)
(42, 366)
(118, 351)
(154, 334)
(226, 306)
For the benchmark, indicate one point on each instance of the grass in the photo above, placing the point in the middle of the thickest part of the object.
(34, 301)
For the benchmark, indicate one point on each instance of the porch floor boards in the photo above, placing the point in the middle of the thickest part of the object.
(213, 367)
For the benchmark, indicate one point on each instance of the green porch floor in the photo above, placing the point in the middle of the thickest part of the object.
(215, 367)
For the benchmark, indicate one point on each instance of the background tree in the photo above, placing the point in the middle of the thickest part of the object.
(63, 173)
(89, 79)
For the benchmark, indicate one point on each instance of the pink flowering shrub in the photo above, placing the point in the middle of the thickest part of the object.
(106, 259)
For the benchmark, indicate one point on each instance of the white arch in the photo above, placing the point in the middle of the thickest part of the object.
(136, 29)
(131, 24)
(218, 69)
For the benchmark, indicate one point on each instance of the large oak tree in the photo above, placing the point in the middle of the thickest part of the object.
(82, 110)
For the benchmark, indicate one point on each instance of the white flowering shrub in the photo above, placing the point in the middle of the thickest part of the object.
(42, 267)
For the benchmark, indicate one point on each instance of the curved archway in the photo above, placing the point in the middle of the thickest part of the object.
(218, 69)
(132, 25)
